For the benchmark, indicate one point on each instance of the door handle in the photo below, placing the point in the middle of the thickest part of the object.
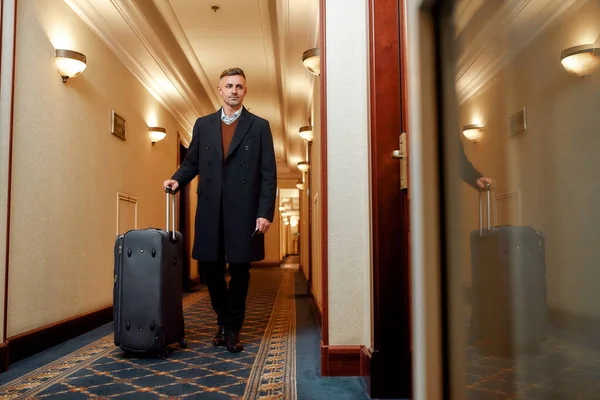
(401, 155)
(398, 154)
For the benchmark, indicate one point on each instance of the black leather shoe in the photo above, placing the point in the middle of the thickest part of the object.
(233, 342)
(219, 339)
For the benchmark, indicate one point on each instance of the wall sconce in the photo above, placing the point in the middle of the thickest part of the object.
(300, 185)
(303, 166)
(156, 134)
(306, 133)
(311, 59)
(473, 132)
(69, 63)
(580, 60)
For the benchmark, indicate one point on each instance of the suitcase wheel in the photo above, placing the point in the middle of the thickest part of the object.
(183, 343)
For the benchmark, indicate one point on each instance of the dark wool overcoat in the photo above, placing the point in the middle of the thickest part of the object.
(243, 182)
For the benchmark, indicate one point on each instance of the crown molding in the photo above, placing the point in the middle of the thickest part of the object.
(488, 52)
(165, 9)
(147, 58)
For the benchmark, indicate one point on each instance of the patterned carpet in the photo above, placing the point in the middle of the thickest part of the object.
(560, 370)
(264, 370)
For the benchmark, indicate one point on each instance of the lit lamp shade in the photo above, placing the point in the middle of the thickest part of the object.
(580, 60)
(306, 133)
(303, 166)
(311, 59)
(473, 132)
(300, 185)
(157, 134)
(69, 63)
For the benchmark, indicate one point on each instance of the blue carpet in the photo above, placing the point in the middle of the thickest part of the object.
(310, 384)
(99, 369)
(281, 328)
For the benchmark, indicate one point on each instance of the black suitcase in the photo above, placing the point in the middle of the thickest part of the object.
(509, 309)
(147, 294)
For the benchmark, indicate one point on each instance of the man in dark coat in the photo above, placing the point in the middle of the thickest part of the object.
(232, 152)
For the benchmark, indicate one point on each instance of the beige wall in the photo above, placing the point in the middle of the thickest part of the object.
(554, 164)
(315, 184)
(272, 238)
(68, 168)
(349, 242)
(6, 74)
(303, 227)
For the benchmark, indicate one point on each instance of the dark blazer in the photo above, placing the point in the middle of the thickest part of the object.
(468, 172)
(244, 182)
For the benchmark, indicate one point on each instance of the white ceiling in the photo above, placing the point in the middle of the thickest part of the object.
(178, 48)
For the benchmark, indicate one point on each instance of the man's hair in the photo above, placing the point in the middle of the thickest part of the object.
(232, 72)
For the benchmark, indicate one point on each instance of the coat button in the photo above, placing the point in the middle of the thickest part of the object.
(247, 147)
(207, 147)
(243, 181)
(244, 198)
(243, 164)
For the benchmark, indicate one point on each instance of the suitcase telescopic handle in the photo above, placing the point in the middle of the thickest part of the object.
(487, 189)
(171, 194)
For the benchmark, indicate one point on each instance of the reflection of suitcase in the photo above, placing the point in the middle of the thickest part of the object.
(148, 311)
(508, 287)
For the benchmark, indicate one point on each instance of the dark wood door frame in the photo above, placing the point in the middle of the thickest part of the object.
(323, 194)
(391, 345)
(389, 357)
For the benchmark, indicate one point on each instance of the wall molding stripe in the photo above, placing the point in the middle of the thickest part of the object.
(37, 340)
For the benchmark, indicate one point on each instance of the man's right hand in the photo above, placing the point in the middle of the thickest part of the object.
(173, 184)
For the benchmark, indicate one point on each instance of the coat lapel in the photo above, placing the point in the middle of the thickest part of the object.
(215, 133)
(240, 131)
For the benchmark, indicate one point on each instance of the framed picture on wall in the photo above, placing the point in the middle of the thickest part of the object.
(118, 126)
(517, 123)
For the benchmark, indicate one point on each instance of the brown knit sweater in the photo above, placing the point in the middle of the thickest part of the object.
(227, 132)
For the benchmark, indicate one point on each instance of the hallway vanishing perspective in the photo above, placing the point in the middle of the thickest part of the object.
(420, 177)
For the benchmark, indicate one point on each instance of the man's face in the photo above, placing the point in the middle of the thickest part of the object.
(233, 90)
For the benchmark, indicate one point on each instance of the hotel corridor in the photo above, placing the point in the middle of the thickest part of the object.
(280, 360)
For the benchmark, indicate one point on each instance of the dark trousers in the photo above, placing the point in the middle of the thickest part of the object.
(228, 302)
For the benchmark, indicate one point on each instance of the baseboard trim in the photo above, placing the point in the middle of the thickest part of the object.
(317, 309)
(4, 357)
(37, 340)
(348, 360)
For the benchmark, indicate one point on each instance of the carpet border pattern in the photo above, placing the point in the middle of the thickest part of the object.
(273, 376)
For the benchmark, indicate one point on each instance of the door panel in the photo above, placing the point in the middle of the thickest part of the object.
(391, 359)
(537, 338)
